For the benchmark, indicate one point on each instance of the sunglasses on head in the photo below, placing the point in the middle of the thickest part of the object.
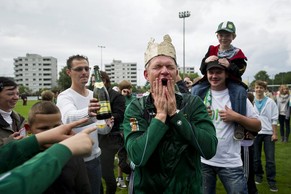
(80, 68)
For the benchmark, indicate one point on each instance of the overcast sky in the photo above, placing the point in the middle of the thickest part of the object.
(61, 28)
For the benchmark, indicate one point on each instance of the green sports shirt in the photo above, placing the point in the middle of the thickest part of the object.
(167, 155)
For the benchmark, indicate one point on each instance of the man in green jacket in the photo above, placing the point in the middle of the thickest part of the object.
(166, 132)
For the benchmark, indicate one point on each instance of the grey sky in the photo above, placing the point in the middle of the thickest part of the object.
(67, 27)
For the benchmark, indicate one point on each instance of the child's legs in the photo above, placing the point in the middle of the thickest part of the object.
(282, 123)
(287, 123)
(258, 143)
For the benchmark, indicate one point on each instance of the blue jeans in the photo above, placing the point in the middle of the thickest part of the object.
(269, 149)
(94, 174)
(233, 179)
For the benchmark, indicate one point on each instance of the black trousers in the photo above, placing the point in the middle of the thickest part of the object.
(109, 145)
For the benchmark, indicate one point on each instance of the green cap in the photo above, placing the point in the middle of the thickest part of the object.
(226, 26)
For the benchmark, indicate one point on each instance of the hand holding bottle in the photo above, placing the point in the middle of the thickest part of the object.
(93, 107)
(100, 92)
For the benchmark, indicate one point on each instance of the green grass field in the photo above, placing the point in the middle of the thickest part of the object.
(283, 162)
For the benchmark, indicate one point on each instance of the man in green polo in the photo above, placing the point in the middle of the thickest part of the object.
(167, 132)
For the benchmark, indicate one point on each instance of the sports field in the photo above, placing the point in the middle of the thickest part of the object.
(283, 162)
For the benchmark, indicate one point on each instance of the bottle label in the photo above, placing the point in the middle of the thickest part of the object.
(104, 107)
(99, 84)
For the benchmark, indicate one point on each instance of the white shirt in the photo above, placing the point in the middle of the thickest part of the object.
(6, 116)
(73, 107)
(268, 116)
(228, 149)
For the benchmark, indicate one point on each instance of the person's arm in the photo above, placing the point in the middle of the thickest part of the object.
(70, 112)
(275, 115)
(251, 123)
(237, 67)
(203, 63)
(105, 126)
(141, 139)
(238, 64)
(118, 108)
(17, 152)
(35, 175)
(200, 131)
(68, 109)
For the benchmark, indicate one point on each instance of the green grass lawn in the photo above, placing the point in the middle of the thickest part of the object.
(283, 162)
(23, 110)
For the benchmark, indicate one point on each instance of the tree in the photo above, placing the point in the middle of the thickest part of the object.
(262, 75)
(23, 89)
(190, 75)
(283, 78)
(64, 81)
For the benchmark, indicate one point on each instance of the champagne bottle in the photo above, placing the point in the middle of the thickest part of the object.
(101, 94)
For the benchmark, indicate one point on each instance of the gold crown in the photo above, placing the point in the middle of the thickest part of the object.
(165, 48)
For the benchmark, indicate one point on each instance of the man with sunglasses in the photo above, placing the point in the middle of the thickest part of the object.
(77, 102)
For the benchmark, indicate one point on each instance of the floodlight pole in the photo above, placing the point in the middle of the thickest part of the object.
(184, 15)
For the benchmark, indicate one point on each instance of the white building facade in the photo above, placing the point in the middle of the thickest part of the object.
(118, 71)
(188, 70)
(36, 72)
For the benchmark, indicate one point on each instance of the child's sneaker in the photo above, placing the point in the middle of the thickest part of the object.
(258, 180)
(273, 188)
(239, 133)
(121, 184)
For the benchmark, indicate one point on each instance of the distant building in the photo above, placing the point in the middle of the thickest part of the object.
(36, 72)
(188, 70)
(119, 71)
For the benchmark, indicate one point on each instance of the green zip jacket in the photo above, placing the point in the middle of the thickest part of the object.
(167, 155)
(37, 173)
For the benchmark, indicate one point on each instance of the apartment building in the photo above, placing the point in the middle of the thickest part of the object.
(188, 70)
(35, 71)
(118, 71)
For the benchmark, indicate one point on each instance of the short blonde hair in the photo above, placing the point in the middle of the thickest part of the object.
(47, 95)
(42, 107)
(124, 84)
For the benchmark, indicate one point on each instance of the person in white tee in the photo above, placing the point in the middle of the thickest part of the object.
(77, 102)
(268, 114)
(226, 163)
